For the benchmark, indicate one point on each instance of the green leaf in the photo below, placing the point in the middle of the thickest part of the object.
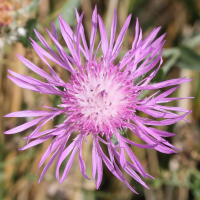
(29, 8)
(174, 54)
(30, 25)
(189, 59)
(158, 77)
(122, 132)
(138, 79)
(192, 42)
(114, 139)
(33, 5)
(143, 94)
(68, 13)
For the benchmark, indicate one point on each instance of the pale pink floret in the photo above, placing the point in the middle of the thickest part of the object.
(100, 99)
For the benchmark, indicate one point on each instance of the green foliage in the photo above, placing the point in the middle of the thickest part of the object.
(173, 55)
(122, 132)
(183, 57)
(33, 5)
(29, 8)
(68, 13)
(159, 76)
(195, 188)
(114, 139)
(189, 59)
(138, 79)
(30, 25)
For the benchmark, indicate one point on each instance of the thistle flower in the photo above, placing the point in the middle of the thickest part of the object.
(100, 99)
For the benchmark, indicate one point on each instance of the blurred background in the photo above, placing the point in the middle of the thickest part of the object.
(177, 176)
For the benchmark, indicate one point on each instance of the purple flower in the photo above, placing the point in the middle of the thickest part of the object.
(100, 99)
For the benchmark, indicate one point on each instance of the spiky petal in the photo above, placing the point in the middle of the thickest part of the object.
(100, 99)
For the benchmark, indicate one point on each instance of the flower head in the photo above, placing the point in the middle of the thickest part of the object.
(100, 99)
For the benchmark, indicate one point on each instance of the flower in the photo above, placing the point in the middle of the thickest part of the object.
(14, 21)
(100, 99)
(6, 12)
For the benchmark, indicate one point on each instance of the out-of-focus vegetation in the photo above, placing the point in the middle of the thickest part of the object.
(177, 176)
